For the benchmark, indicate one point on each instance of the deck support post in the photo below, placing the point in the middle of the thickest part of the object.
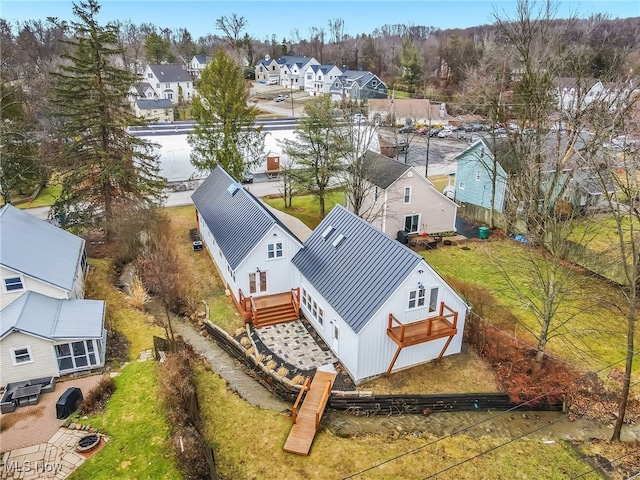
(444, 349)
(395, 357)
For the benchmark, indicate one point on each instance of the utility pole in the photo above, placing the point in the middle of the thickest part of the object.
(426, 165)
(291, 85)
(393, 69)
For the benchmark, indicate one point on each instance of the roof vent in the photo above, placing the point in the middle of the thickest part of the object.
(339, 239)
(233, 189)
(327, 231)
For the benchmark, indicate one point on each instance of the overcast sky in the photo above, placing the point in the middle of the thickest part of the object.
(280, 17)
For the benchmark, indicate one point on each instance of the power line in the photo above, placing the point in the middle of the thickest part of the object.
(637, 450)
(502, 445)
(464, 429)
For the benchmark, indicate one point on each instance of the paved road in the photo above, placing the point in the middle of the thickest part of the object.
(184, 127)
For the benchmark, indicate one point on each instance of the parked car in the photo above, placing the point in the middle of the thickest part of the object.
(247, 177)
(272, 82)
(359, 118)
(445, 133)
(435, 131)
(280, 98)
(407, 129)
(422, 131)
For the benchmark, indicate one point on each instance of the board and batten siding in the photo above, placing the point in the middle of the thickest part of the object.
(43, 364)
(282, 276)
(347, 349)
(437, 212)
(376, 349)
(214, 251)
(31, 284)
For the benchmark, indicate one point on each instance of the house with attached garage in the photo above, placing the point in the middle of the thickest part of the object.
(399, 198)
(358, 85)
(154, 110)
(41, 336)
(251, 248)
(40, 257)
(293, 70)
(318, 78)
(376, 303)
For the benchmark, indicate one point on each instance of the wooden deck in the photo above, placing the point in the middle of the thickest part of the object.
(270, 309)
(433, 328)
(307, 419)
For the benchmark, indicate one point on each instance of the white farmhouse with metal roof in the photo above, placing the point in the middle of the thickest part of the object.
(374, 301)
(38, 256)
(42, 336)
(251, 248)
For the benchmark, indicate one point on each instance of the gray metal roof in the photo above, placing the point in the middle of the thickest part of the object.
(38, 249)
(154, 103)
(53, 318)
(361, 273)
(238, 221)
(171, 73)
(382, 170)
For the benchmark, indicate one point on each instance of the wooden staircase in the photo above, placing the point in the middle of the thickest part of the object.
(273, 314)
(306, 414)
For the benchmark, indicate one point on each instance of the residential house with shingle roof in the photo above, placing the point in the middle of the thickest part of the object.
(400, 198)
(250, 246)
(198, 64)
(154, 110)
(171, 82)
(319, 78)
(408, 111)
(376, 303)
(358, 85)
(38, 256)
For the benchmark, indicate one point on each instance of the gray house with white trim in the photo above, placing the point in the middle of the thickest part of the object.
(42, 336)
(38, 256)
(377, 304)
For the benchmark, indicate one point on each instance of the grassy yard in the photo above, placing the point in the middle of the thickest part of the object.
(248, 444)
(306, 207)
(137, 429)
(439, 181)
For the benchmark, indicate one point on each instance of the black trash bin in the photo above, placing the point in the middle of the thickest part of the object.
(68, 402)
(403, 237)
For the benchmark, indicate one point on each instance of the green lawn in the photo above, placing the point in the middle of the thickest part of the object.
(137, 428)
(306, 207)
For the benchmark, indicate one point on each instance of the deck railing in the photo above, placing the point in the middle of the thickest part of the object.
(243, 301)
(451, 317)
(295, 300)
(254, 311)
(323, 403)
(305, 388)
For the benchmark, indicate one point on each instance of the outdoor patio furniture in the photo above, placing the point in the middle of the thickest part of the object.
(29, 395)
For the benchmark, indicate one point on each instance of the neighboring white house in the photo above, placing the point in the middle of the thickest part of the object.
(250, 246)
(318, 78)
(198, 64)
(399, 198)
(268, 70)
(408, 111)
(293, 69)
(38, 256)
(357, 282)
(171, 82)
(42, 336)
(154, 110)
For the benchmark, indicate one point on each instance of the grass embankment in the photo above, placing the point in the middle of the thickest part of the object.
(134, 417)
(248, 444)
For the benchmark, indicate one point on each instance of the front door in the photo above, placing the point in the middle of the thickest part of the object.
(258, 282)
(336, 337)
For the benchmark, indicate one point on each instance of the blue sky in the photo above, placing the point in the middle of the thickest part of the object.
(280, 17)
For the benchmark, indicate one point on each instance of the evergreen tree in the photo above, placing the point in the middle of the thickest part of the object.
(20, 168)
(225, 131)
(102, 166)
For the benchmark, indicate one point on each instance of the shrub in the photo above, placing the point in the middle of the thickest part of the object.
(97, 398)
(138, 297)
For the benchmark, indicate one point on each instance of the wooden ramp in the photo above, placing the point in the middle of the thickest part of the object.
(307, 419)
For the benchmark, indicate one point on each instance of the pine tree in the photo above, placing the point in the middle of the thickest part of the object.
(225, 132)
(102, 166)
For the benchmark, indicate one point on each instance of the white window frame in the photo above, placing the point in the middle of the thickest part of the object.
(433, 302)
(416, 298)
(274, 252)
(417, 223)
(14, 357)
(461, 185)
(407, 195)
(7, 290)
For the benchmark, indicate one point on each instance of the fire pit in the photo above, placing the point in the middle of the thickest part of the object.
(88, 442)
